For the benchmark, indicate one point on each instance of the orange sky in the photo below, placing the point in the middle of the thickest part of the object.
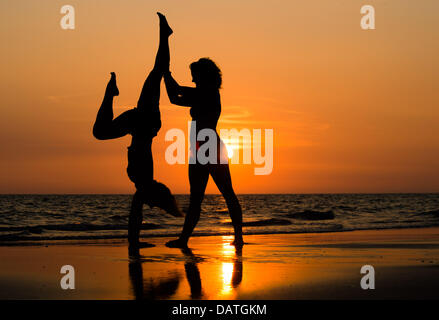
(352, 110)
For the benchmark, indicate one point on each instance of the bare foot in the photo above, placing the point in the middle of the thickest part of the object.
(165, 29)
(176, 244)
(112, 86)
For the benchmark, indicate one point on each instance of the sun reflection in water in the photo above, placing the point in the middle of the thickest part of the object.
(227, 265)
(227, 278)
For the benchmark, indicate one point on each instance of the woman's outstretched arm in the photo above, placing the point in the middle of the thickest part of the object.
(179, 95)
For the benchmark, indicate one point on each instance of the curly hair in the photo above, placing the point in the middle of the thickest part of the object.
(207, 72)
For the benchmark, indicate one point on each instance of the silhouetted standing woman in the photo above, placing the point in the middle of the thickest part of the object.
(142, 123)
(205, 103)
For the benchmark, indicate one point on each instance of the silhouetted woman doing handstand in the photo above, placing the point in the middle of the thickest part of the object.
(142, 123)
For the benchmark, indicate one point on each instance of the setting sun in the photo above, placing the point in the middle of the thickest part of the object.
(229, 151)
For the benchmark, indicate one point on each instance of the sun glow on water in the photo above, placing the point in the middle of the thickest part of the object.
(227, 267)
(227, 274)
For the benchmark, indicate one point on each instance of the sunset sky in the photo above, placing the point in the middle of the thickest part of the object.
(352, 110)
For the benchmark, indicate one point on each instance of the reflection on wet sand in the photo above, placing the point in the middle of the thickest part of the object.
(192, 274)
(151, 288)
(165, 285)
(231, 267)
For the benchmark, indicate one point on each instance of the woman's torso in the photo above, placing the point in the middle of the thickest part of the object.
(206, 108)
(205, 112)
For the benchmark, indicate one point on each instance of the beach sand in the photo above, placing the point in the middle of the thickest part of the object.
(283, 266)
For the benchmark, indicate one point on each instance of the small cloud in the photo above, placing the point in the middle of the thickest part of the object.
(235, 114)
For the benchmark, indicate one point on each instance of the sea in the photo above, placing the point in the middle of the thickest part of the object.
(34, 218)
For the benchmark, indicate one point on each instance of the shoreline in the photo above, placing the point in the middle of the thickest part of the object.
(122, 239)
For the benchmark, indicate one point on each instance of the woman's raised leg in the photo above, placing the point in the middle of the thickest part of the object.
(150, 95)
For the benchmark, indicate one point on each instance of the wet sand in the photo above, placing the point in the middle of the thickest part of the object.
(285, 266)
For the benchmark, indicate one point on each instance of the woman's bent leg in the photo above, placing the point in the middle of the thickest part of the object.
(105, 113)
(105, 127)
(113, 129)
